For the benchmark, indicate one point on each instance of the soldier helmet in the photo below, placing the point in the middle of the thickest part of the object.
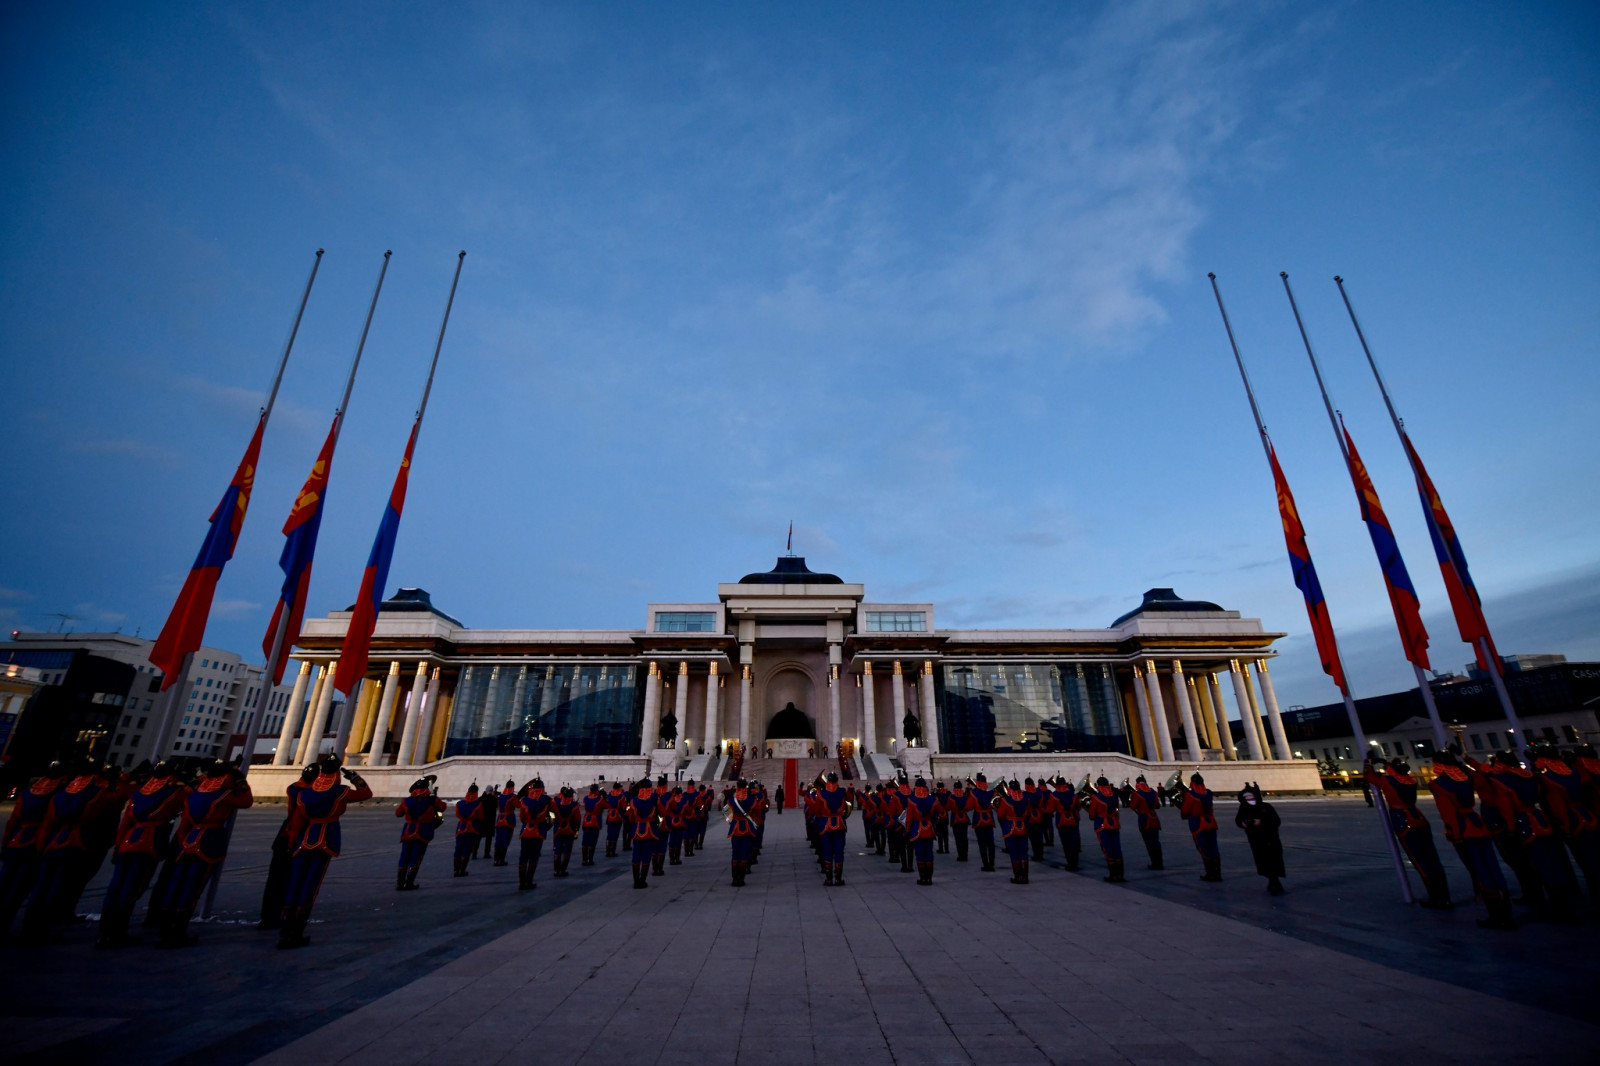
(161, 769)
(833, 778)
(566, 790)
(661, 779)
(537, 782)
(1196, 779)
(472, 789)
(741, 783)
(1141, 780)
(1013, 784)
(919, 783)
(511, 784)
(594, 789)
(330, 763)
(980, 780)
(1401, 765)
(1445, 758)
(420, 785)
(1027, 781)
(309, 773)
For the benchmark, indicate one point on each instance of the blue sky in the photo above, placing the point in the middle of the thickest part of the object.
(928, 280)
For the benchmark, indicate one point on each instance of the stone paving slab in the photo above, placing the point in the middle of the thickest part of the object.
(970, 970)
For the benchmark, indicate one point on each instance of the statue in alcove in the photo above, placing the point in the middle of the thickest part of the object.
(669, 729)
(911, 728)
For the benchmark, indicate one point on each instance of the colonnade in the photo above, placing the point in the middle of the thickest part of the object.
(1204, 715)
(420, 709)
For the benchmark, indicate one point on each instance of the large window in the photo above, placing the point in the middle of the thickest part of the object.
(1027, 707)
(546, 709)
(686, 621)
(897, 622)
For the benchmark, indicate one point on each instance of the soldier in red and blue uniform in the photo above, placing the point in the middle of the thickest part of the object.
(702, 806)
(871, 824)
(1034, 797)
(960, 818)
(1011, 809)
(283, 843)
(1398, 789)
(1143, 801)
(739, 805)
(1197, 804)
(980, 804)
(1454, 795)
(1101, 803)
(536, 811)
(87, 795)
(317, 812)
(469, 820)
(644, 815)
(1518, 793)
(899, 839)
(941, 820)
(23, 843)
(568, 817)
(505, 821)
(833, 806)
(143, 839)
(922, 810)
(594, 805)
(663, 794)
(423, 812)
(202, 845)
(616, 816)
(1563, 799)
(677, 824)
(1065, 803)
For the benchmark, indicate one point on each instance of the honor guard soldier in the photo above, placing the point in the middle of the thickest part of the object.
(960, 817)
(1197, 804)
(1143, 801)
(741, 832)
(569, 816)
(1518, 794)
(760, 804)
(1034, 798)
(834, 812)
(423, 812)
(922, 811)
(143, 839)
(899, 840)
(1398, 789)
(1065, 803)
(1563, 798)
(469, 820)
(677, 825)
(317, 813)
(24, 842)
(1011, 809)
(1464, 828)
(941, 820)
(644, 818)
(702, 805)
(63, 866)
(980, 805)
(283, 843)
(1101, 803)
(616, 816)
(871, 822)
(487, 812)
(594, 805)
(202, 844)
(663, 795)
(505, 820)
(536, 811)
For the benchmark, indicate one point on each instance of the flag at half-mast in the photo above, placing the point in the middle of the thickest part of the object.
(1464, 601)
(364, 618)
(1402, 594)
(1305, 575)
(186, 625)
(299, 549)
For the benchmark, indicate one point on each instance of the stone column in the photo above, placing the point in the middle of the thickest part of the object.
(1180, 693)
(1158, 710)
(744, 708)
(1280, 738)
(869, 716)
(680, 706)
(835, 721)
(1202, 712)
(357, 711)
(311, 740)
(380, 724)
(1255, 711)
(713, 710)
(291, 716)
(408, 734)
(428, 730)
(1147, 729)
(1241, 696)
(899, 697)
(651, 729)
(930, 709)
(1224, 734)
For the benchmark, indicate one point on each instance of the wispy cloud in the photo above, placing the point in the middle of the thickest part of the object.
(129, 448)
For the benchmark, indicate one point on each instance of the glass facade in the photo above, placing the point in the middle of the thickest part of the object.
(897, 622)
(686, 621)
(546, 709)
(1029, 707)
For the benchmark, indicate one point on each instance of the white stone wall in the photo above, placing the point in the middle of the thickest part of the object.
(457, 772)
(1299, 775)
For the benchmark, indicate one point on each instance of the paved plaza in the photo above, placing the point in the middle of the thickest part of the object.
(972, 969)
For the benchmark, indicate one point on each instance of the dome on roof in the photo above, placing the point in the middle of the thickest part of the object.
(410, 600)
(791, 570)
(1167, 600)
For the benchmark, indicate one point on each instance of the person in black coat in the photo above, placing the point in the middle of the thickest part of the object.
(1259, 820)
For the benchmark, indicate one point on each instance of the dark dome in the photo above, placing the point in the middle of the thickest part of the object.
(416, 600)
(1166, 600)
(791, 723)
(791, 570)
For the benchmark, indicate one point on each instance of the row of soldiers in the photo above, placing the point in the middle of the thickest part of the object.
(1538, 815)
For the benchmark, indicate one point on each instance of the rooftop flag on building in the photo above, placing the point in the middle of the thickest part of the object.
(1305, 576)
(1402, 594)
(186, 625)
(364, 619)
(305, 520)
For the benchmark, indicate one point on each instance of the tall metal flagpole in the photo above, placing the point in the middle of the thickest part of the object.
(1482, 643)
(174, 693)
(1440, 737)
(1349, 703)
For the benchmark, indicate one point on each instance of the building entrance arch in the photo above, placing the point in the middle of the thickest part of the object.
(786, 695)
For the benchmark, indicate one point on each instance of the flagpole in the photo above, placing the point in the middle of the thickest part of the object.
(1439, 734)
(1481, 645)
(1349, 702)
(280, 636)
(427, 389)
(164, 730)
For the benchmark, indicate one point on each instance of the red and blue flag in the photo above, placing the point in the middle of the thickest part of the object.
(1402, 594)
(1464, 601)
(1305, 576)
(299, 549)
(364, 617)
(186, 625)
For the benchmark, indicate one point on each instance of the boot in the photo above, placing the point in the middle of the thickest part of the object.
(674, 856)
(838, 874)
(660, 865)
(411, 878)
(1155, 856)
(924, 873)
(588, 857)
(1115, 875)
(175, 930)
(1213, 870)
(293, 933)
(905, 860)
(524, 877)
(1072, 862)
(641, 875)
(986, 855)
(611, 849)
(400, 880)
(738, 873)
(1016, 873)
(688, 848)
(1274, 886)
(1438, 894)
(1500, 916)
(827, 875)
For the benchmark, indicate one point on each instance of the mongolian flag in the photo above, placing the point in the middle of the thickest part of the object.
(305, 519)
(186, 625)
(1402, 594)
(364, 617)
(1452, 561)
(1305, 576)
